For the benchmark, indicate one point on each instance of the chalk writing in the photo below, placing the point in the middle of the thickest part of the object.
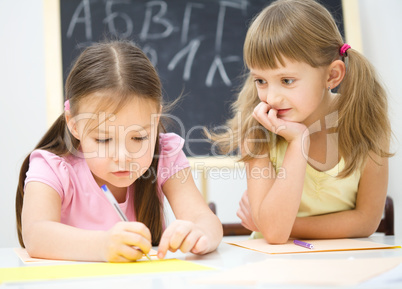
(156, 25)
(196, 46)
(86, 19)
(112, 16)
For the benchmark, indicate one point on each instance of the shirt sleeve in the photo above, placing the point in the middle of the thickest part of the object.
(172, 158)
(50, 169)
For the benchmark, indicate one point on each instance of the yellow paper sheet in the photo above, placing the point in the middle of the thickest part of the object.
(24, 256)
(319, 272)
(36, 273)
(327, 245)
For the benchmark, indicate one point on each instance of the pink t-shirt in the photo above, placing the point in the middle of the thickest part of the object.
(83, 204)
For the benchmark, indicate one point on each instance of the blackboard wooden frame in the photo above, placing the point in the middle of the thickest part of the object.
(54, 68)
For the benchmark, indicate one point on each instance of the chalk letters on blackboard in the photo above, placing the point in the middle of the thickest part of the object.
(196, 47)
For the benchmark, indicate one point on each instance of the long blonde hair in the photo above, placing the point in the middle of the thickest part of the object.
(305, 31)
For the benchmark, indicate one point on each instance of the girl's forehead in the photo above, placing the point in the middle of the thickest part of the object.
(112, 102)
(288, 64)
(136, 111)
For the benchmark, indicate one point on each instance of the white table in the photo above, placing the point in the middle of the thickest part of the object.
(225, 257)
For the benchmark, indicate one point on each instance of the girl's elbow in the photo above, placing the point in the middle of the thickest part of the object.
(275, 237)
(274, 234)
(371, 224)
(32, 244)
(369, 230)
(276, 240)
(32, 248)
(364, 233)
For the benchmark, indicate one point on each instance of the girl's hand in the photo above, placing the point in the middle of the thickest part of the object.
(126, 242)
(183, 235)
(244, 213)
(267, 116)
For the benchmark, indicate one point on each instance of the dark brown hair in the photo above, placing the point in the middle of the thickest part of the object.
(122, 68)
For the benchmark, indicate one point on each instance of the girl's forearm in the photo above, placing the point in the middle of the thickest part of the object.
(345, 224)
(278, 208)
(53, 240)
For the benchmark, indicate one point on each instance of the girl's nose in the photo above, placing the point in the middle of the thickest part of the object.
(121, 155)
(273, 97)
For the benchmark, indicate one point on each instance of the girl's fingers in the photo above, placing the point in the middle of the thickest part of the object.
(119, 259)
(179, 235)
(244, 206)
(245, 220)
(164, 243)
(133, 239)
(138, 228)
(190, 241)
(136, 234)
(130, 253)
(244, 213)
(127, 241)
(242, 216)
(201, 245)
(172, 238)
(268, 117)
(125, 253)
(261, 112)
(276, 124)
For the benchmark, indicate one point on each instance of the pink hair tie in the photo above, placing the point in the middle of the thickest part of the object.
(67, 105)
(343, 49)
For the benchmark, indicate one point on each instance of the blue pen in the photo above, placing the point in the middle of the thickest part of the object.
(116, 206)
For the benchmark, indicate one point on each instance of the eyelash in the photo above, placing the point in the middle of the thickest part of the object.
(103, 140)
(288, 79)
(142, 138)
(260, 82)
(134, 139)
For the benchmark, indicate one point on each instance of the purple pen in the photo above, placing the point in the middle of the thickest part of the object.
(303, 244)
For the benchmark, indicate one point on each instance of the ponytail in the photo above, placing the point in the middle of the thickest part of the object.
(363, 124)
(57, 140)
(147, 204)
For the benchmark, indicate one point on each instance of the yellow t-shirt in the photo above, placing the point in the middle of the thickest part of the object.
(323, 193)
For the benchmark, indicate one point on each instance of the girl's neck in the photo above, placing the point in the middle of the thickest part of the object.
(323, 153)
(120, 194)
(323, 114)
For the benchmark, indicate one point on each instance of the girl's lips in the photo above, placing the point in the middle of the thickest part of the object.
(283, 111)
(122, 174)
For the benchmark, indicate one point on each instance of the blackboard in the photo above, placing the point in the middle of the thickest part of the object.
(196, 47)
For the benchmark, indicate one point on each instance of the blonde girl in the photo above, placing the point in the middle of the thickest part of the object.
(111, 134)
(312, 127)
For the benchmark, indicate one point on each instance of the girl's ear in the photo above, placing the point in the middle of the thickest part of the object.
(336, 73)
(71, 124)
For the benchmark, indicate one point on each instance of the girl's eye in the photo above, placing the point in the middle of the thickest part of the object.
(288, 81)
(142, 138)
(103, 140)
(260, 82)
